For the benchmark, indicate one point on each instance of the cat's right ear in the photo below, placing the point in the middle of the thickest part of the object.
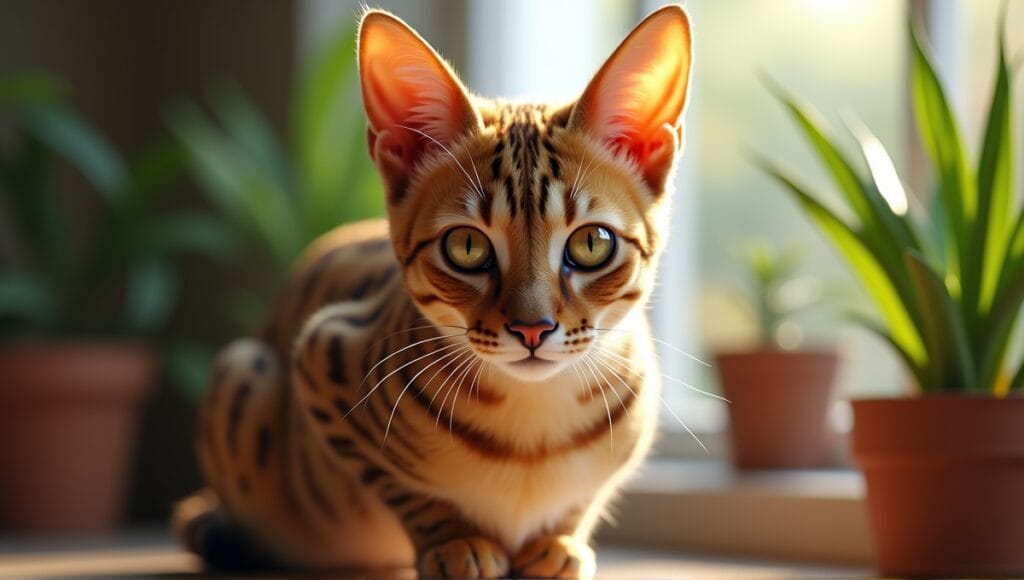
(413, 100)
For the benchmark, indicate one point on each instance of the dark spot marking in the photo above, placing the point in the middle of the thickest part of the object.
(542, 204)
(399, 500)
(235, 415)
(371, 475)
(321, 415)
(262, 446)
(336, 361)
(510, 196)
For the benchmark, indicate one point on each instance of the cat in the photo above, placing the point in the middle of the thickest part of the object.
(462, 388)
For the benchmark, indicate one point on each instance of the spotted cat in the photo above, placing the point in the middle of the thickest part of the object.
(462, 388)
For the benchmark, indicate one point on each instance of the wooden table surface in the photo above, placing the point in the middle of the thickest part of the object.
(152, 554)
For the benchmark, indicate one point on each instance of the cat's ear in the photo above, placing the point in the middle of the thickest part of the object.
(413, 100)
(634, 104)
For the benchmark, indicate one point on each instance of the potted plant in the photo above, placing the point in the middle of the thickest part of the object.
(79, 310)
(779, 393)
(944, 469)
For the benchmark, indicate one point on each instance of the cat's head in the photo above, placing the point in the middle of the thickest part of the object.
(530, 227)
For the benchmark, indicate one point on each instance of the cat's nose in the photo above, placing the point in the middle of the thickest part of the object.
(531, 334)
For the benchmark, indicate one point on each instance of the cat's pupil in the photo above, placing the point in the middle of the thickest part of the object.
(590, 242)
(469, 244)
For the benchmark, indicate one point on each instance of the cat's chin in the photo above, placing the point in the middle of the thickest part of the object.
(532, 369)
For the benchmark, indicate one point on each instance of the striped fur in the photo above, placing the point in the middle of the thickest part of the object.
(388, 416)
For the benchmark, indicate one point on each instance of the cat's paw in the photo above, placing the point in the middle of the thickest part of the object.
(465, 558)
(556, 557)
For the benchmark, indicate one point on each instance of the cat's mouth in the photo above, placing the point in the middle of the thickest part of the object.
(532, 361)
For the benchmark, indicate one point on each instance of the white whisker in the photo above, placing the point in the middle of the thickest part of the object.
(398, 352)
(625, 363)
(389, 375)
(662, 342)
(692, 434)
(607, 383)
(467, 364)
(398, 400)
(455, 399)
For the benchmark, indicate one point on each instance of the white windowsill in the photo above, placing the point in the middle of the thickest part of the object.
(707, 507)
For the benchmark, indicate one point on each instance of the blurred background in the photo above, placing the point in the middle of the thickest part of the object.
(162, 163)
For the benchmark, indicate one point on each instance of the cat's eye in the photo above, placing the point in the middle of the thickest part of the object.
(590, 247)
(467, 249)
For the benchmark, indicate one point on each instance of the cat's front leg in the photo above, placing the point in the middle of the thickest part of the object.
(448, 546)
(556, 556)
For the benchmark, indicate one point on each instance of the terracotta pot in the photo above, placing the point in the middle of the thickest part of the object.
(779, 403)
(945, 482)
(68, 419)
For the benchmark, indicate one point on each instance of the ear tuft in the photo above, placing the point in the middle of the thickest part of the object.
(413, 100)
(634, 104)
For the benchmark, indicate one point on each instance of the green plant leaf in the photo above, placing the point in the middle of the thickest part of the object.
(995, 186)
(944, 332)
(913, 366)
(189, 366)
(339, 182)
(156, 169)
(868, 269)
(72, 137)
(150, 294)
(941, 139)
(241, 190)
(38, 223)
(24, 299)
(190, 233)
(252, 135)
(31, 88)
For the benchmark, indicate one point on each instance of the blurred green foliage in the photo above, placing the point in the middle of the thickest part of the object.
(121, 277)
(279, 196)
(777, 290)
(950, 283)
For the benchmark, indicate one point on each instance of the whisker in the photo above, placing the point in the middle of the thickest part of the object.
(692, 434)
(663, 401)
(455, 399)
(398, 400)
(608, 384)
(389, 375)
(468, 364)
(396, 353)
(662, 342)
(664, 376)
(415, 328)
(479, 187)
(463, 360)
(616, 374)
(607, 409)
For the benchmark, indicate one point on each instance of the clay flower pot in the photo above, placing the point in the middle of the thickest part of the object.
(779, 403)
(945, 483)
(68, 417)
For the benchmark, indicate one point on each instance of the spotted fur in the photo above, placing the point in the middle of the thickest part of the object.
(389, 415)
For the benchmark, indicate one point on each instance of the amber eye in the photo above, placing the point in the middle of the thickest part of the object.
(590, 247)
(467, 249)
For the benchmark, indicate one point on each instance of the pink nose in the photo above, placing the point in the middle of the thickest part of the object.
(531, 334)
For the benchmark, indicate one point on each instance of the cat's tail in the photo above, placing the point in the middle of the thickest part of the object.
(203, 529)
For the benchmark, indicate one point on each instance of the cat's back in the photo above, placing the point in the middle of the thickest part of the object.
(353, 262)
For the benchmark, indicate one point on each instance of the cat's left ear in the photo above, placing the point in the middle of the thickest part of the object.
(414, 101)
(634, 104)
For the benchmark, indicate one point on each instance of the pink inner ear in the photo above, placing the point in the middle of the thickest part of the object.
(642, 87)
(411, 97)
